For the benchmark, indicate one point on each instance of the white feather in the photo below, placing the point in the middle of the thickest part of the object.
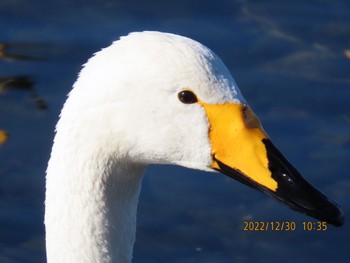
(123, 114)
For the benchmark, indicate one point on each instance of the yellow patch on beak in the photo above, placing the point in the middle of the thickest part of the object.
(236, 138)
(241, 150)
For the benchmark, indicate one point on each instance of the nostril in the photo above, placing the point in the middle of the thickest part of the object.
(250, 119)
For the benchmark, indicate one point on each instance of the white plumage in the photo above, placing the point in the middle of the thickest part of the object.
(125, 112)
(122, 114)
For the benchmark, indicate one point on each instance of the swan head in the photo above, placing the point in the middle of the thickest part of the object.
(161, 98)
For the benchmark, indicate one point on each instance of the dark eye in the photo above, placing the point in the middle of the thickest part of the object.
(187, 97)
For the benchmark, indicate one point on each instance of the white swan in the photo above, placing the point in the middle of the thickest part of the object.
(153, 98)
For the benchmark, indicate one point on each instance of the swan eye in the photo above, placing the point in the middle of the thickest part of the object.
(187, 97)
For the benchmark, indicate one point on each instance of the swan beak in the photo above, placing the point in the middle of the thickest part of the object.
(242, 150)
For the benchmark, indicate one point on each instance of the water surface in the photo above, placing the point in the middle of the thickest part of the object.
(291, 61)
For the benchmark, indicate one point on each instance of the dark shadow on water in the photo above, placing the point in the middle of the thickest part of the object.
(20, 51)
(24, 83)
(12, 52)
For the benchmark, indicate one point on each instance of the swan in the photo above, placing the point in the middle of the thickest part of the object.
(154, 98)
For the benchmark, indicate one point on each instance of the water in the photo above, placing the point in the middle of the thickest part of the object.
(291, 63)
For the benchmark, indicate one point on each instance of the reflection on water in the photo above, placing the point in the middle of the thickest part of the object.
(347, 53)
(11, 52)
(23, 83)
(3, 136)
(16, 82)
(14, 52)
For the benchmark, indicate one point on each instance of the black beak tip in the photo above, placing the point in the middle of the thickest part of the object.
(293, 190)
(298, 193)
(338, 219)
(327, 211)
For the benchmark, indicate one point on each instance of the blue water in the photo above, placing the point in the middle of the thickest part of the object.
(290, 62)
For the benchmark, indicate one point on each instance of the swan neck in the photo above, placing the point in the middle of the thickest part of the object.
(91, 209)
